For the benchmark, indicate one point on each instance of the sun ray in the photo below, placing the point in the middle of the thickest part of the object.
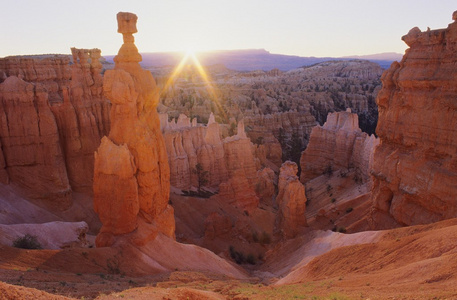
(209, 87)
(175, 73)
(190, 55)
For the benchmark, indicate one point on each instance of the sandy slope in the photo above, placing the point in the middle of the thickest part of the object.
(416, 262)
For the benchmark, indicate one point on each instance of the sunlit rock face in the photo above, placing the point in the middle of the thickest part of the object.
(131, 173)
(291, 201)
(338, 145)
(82, 117)
(189, 144)
(242, 172)
(415, 166)
(62, 98)
(33, 158)
(232, 164)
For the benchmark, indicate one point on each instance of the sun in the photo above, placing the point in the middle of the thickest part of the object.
(190, 57)
(190, 52)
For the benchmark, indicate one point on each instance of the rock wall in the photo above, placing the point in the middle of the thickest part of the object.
(231, 163)
(64, 104)
(239, 154)
(338, 145)
(30, 142)
(191, 144)
(131, 173)
(415, 166)
(276, 130)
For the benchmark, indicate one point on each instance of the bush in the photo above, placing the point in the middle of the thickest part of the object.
(342, 230)
(27, 242)
(238, 257)
(349, 209)
(329, 188)
(333, 200)
(328, 171)
(255, 237)
(250, 259)
(265, 238)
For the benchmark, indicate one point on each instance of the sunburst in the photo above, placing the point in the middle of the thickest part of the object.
(191, 58)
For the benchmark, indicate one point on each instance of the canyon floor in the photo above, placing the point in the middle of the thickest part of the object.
(416, 262)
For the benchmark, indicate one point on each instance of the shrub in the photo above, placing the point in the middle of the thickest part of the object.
(333, 200)
(112, 265)
(328, 171)
(342, 230)
(27, 242)
(255, 237)
(250, 259)
(265, 238)
(232, 252)
(329, 188)
(349, 209)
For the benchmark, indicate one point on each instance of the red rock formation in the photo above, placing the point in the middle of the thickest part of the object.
(265, 187)
(79, 110)
(339, 144)
(30, 142)
(291, 201)
(131, 174)
(82, 116)
(268, 129)
(188, 145)
(242, 172)
(415, 166)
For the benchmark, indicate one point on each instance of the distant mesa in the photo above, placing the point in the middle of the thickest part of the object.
(255, 59)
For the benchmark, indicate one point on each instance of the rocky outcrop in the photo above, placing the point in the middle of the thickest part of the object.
(53, 72)
(338, 145)
(30, 142)
(291, 201)
(242, 173)
(82, 117)
(277, 130)
(131, 173)
(69, 118)
(191, 144)
(415, 166)
(266, 184)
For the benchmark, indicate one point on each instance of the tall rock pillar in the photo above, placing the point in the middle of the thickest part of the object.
(131, 172)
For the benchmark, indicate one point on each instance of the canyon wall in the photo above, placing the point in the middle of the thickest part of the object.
(51, 153)
(278, 130)
(338, 145)
(131, 173)
(189, 144)
(415, 165)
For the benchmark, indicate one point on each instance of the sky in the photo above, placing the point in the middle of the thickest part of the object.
(321, 28)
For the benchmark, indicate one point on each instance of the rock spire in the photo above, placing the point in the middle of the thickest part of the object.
(131, 173)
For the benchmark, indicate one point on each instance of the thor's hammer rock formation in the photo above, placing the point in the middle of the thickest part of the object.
(131, 172)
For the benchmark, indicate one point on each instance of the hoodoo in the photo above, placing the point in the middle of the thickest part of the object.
(131, 172)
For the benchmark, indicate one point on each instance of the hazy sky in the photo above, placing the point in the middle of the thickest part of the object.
(296, 27)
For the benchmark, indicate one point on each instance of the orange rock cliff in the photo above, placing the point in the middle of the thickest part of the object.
(131, 172)
(415, 166)
(52, 153)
